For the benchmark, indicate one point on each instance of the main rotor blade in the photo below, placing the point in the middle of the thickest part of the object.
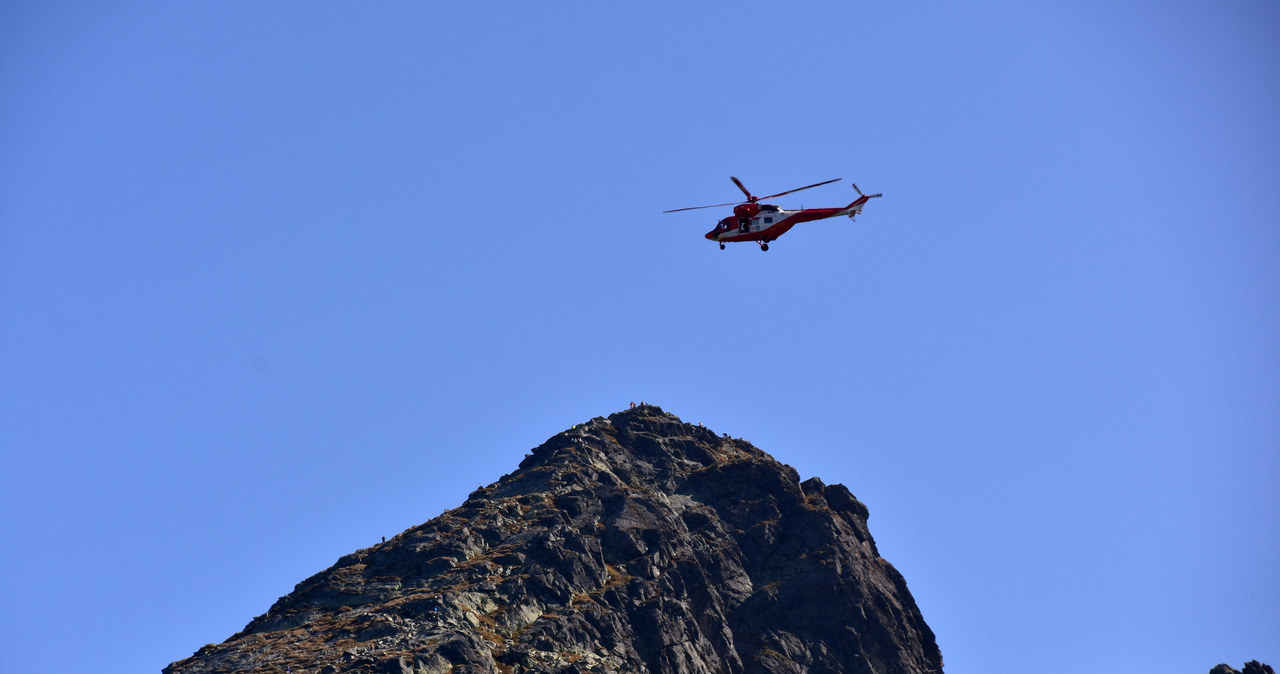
(750, 198)
(825, 182)
(694, 208)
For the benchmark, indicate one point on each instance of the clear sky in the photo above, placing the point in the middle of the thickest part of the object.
(280, 278)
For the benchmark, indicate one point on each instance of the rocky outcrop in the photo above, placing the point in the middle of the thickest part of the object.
(1250, 667)
(636, 543)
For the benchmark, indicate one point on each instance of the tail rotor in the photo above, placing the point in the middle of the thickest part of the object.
(869, 196)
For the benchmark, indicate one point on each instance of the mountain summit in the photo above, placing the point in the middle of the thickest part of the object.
(633, 543)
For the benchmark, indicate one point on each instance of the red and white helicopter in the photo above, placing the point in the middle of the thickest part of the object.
(762, 223)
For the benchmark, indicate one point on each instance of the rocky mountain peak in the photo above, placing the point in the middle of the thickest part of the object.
(1250, 667)
(633, 543)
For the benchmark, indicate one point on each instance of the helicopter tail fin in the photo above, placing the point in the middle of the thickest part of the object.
(855, 207)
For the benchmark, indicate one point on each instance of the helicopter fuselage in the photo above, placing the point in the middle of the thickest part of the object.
(766, 222)
(762, 223)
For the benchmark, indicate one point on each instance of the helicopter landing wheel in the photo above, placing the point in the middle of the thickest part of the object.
(764, 246)
(722, 246)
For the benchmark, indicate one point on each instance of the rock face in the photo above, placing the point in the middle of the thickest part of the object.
(636, 543)
(1250, 667)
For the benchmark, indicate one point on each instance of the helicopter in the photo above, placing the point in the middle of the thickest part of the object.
(762, 223)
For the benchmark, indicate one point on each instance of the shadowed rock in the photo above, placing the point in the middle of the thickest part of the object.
(636, 543)
(1250, 667)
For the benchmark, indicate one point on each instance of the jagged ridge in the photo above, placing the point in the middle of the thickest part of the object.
(636, 543)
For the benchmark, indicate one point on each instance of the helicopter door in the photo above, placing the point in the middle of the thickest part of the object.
(744, 224)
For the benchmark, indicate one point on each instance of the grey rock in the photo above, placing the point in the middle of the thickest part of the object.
(1250, 667)
(636, 543)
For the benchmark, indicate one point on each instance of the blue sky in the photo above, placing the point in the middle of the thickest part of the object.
(278, 279)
